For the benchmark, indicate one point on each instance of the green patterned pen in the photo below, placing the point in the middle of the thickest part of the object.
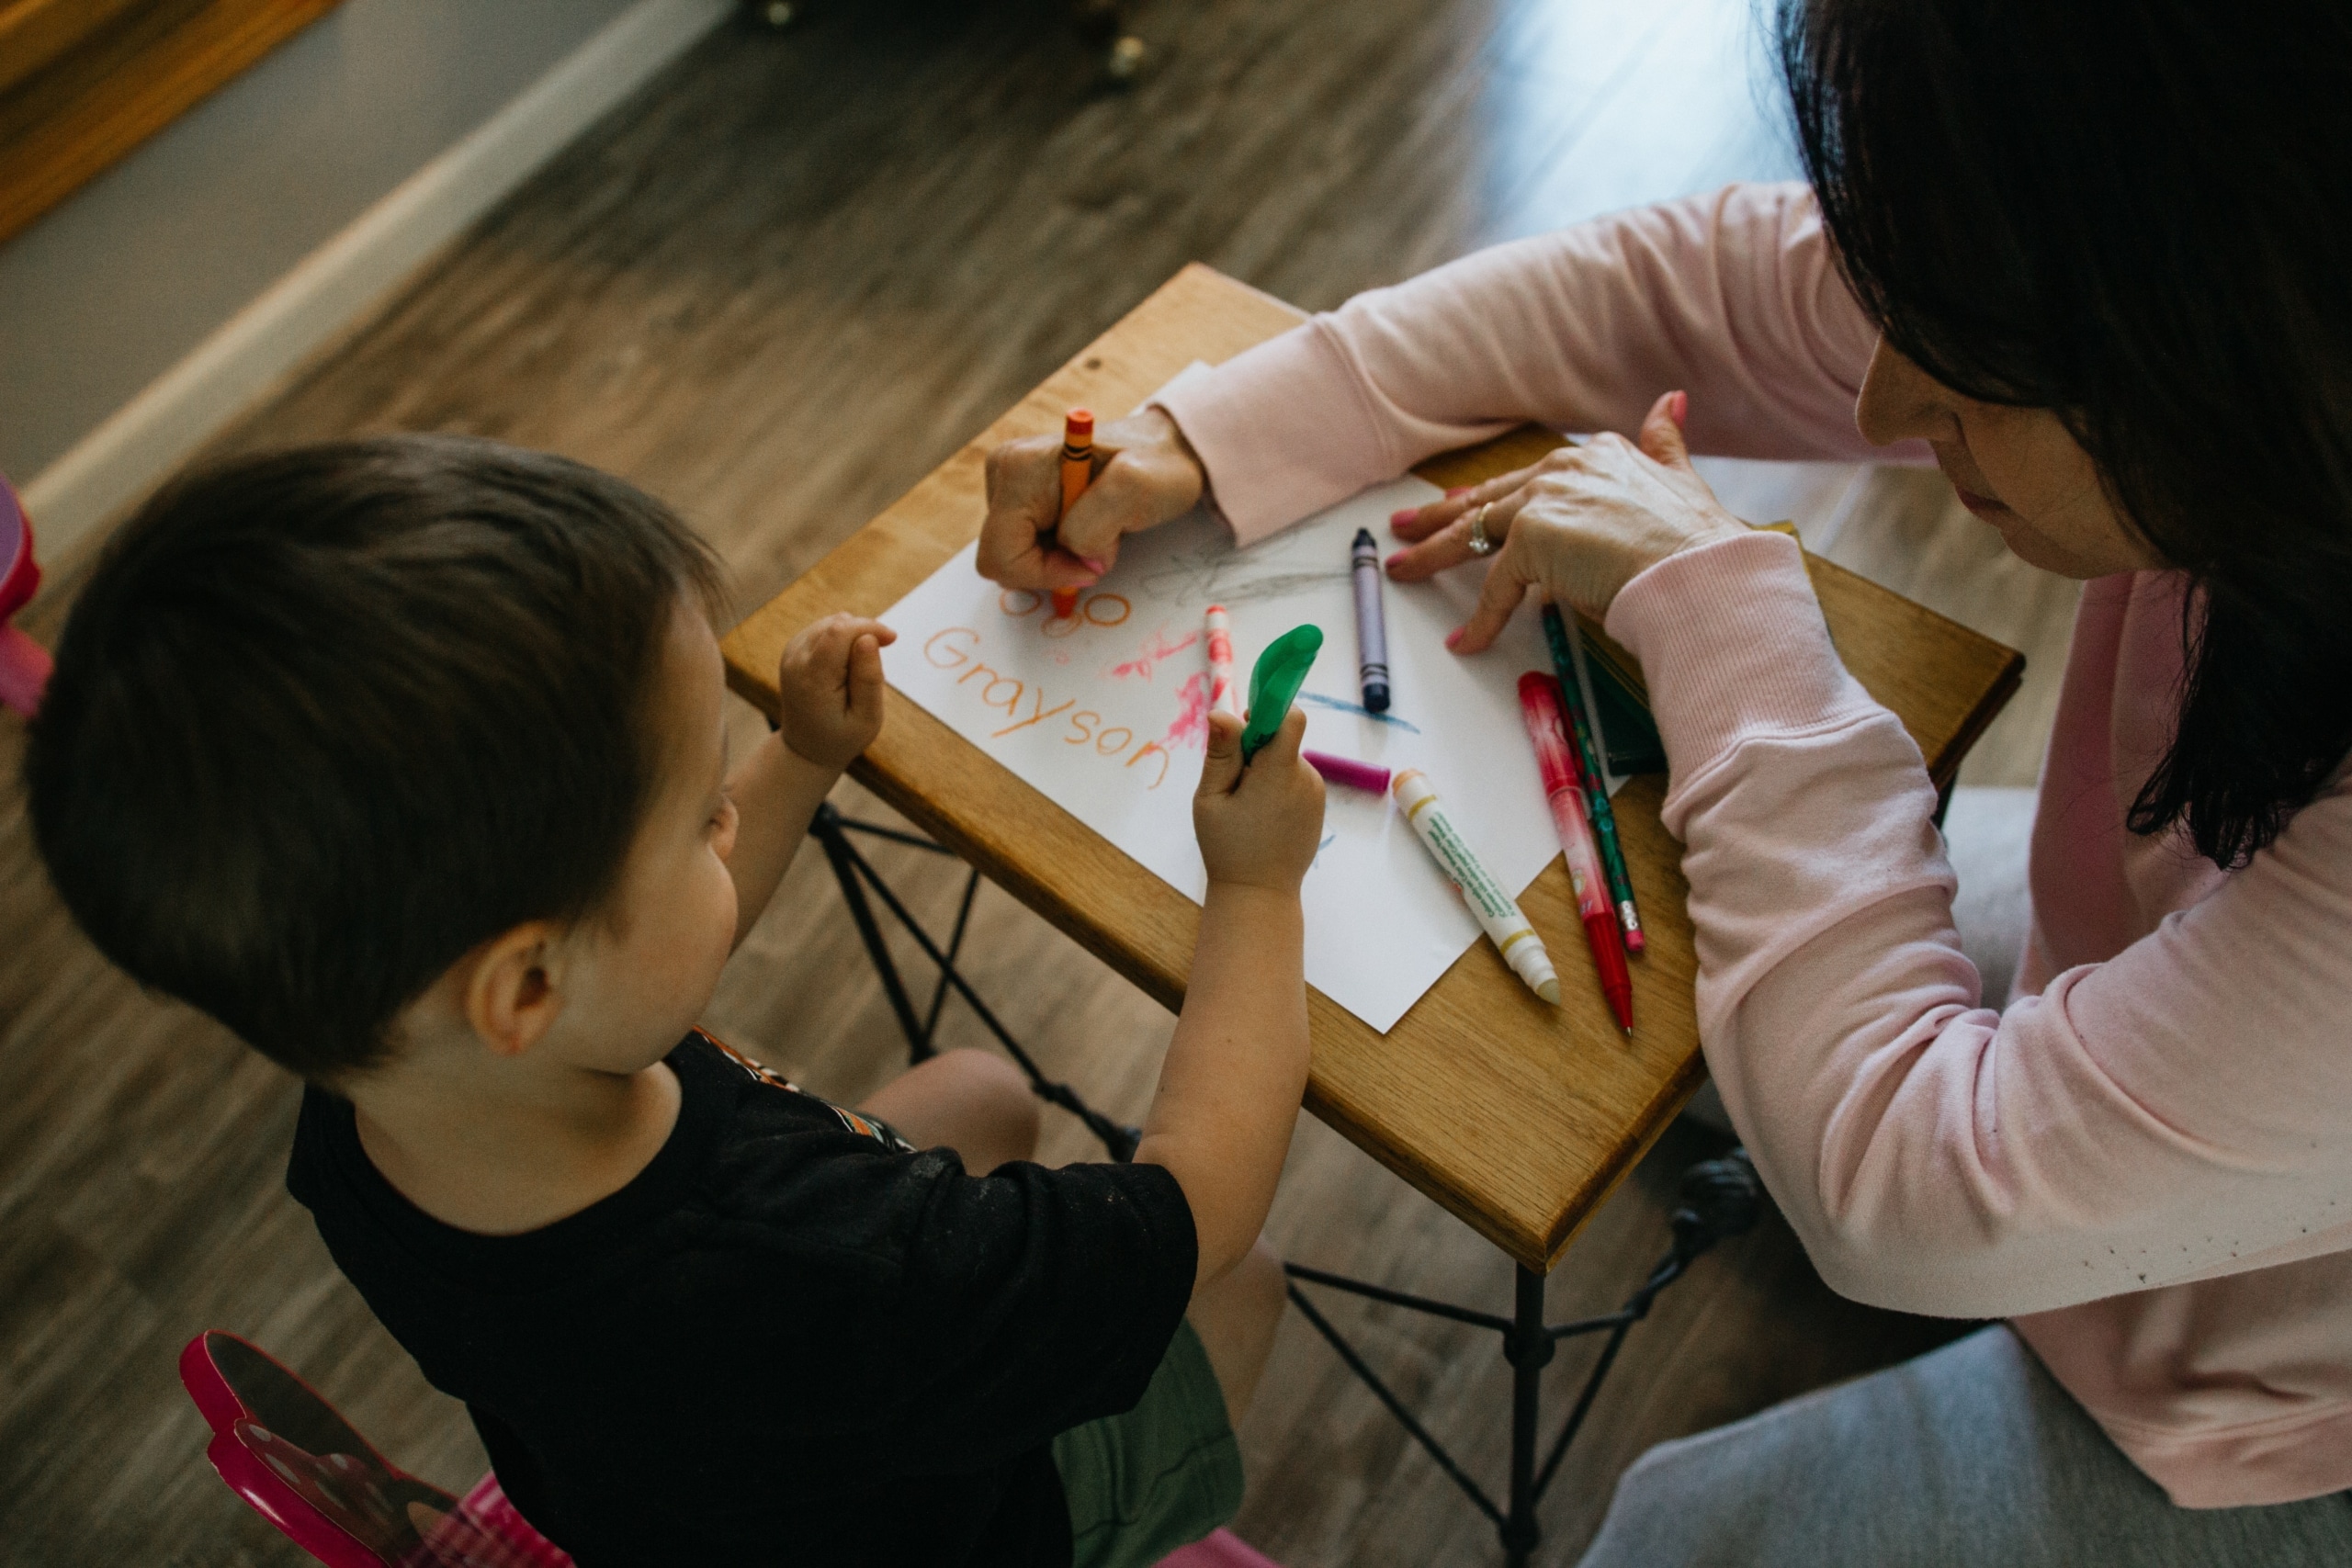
(1596, 795)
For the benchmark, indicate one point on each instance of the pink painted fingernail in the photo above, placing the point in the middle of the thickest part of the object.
(1457, 490)
(1454, 637)
(1403, 516)
(1677, 407)
(1396, 560)
(1096, 567)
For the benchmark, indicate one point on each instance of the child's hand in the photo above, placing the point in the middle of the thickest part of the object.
(829, 689)
(1258, 826)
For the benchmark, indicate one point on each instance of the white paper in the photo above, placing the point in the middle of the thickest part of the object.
(1105, 712)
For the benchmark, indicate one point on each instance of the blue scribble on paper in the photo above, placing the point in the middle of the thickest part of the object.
(1334, 702)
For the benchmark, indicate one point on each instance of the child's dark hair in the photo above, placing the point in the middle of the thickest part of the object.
(324, 720)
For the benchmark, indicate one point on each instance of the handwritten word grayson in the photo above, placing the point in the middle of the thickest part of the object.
(959, 647)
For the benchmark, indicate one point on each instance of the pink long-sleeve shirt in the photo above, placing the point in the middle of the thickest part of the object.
(2146, 1160)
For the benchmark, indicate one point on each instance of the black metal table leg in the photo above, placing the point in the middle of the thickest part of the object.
(827, 831)
(857, 876)
(1529, 1350)
(1719, 1198)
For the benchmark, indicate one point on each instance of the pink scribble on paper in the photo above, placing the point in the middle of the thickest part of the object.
(1192, 726)
(1160, 647)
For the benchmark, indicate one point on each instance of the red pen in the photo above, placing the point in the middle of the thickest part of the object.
(1539, 706)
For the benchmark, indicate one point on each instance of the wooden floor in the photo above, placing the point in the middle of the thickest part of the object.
(775, 290)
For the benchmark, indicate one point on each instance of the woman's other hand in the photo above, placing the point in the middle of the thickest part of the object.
(1145, 473)
(1581, 525)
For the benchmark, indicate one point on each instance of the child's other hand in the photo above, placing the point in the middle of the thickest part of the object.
(829, 689)
(1258, 826)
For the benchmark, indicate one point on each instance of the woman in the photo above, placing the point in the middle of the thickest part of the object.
(2095, 259)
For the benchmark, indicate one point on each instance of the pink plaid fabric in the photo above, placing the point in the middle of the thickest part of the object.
(1219, 1549)
(486, 1532)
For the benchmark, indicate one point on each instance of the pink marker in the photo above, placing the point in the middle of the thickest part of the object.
(1349, 772)
(1219, 637)
(1539, 705)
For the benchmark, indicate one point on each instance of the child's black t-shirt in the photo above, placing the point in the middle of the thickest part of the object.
(791, 1338)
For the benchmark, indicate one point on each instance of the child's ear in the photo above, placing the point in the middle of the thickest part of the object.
(511, 997)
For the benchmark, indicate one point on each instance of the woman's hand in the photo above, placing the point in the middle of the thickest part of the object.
(1581, 525)
(1145, 473)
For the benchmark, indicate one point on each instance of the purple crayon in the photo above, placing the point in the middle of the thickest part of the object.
(1371, 630)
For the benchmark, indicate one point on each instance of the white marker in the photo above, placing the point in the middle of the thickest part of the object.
(1496, 910)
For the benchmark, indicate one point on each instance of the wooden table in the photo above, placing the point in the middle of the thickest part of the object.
(1518, 1117)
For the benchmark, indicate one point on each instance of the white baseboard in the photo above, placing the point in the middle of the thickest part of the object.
(141, 443)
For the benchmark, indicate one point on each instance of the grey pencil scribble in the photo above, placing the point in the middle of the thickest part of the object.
(1283, 586)
(1222, 574)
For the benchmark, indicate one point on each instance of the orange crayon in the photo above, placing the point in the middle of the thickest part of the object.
(1078, 472)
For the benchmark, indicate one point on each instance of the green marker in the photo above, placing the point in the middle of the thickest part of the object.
(1273, 684)
(1596, 794)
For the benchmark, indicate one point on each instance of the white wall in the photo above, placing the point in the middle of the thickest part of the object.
(115, 285)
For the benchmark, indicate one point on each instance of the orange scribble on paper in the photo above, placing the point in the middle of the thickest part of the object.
(1192, 726)
(1152, 653)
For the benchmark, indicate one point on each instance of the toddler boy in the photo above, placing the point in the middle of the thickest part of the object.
(406, 759)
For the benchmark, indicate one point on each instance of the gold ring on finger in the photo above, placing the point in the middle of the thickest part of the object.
(1480, 544)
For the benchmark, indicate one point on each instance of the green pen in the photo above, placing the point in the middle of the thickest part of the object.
(1596, 794)
(1274, 681)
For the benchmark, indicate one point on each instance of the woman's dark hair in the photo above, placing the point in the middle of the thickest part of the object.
(324, 720)
(2140, 216)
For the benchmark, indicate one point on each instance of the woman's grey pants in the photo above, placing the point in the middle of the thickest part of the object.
(1970, 1454)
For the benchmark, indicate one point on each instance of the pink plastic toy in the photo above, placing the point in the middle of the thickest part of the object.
(303, 1468)
(24, 663)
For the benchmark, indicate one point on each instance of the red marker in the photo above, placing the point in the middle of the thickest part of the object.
(1539, 705)
(1078, 472)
